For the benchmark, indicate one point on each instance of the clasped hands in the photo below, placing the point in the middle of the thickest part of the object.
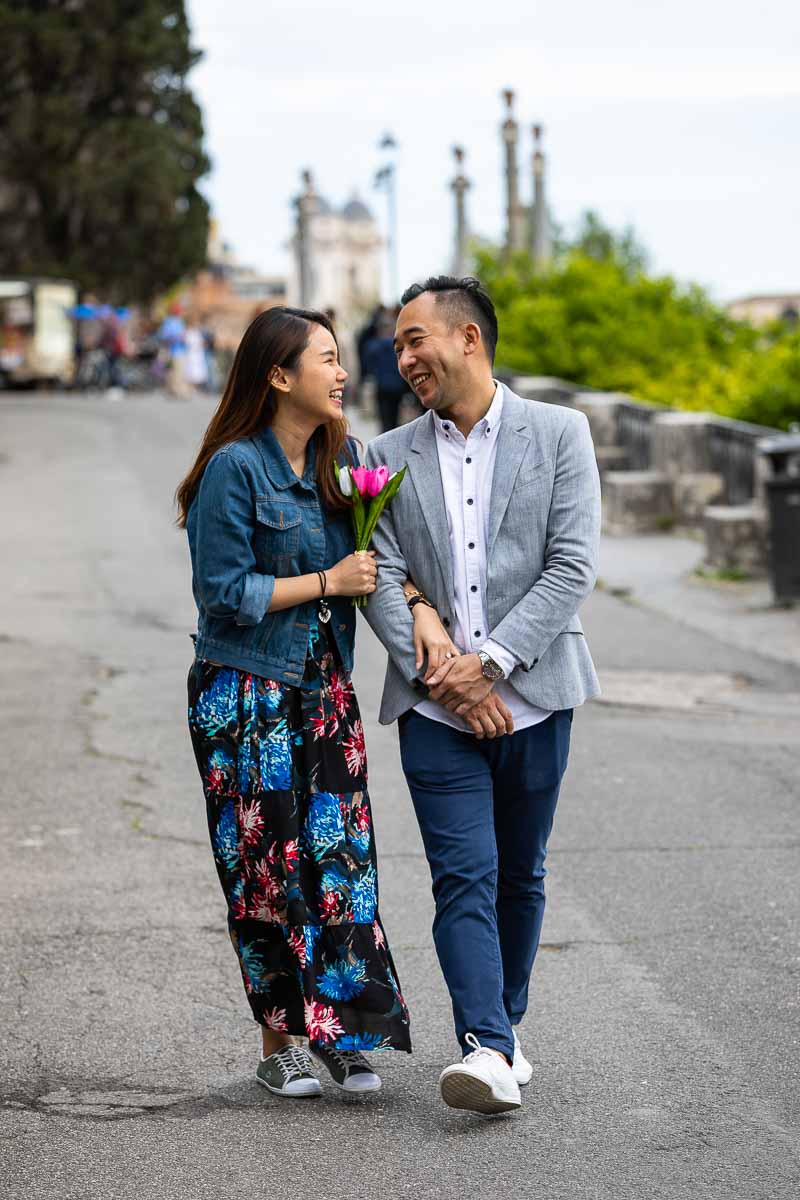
(455, 680)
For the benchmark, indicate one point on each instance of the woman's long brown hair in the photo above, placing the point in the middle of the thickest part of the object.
(276, 338)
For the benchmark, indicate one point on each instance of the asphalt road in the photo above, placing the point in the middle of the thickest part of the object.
(664, 1018)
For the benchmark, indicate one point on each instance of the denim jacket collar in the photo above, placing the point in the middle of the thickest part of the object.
(276, 463)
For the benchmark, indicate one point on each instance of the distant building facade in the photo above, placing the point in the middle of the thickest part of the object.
(760, 310)
(226, 295)
(336, 256)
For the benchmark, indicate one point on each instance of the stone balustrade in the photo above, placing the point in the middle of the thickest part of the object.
(662, 468)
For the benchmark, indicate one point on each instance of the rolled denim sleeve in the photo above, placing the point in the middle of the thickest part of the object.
(226, 578)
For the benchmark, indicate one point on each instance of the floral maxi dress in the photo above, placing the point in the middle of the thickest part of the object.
(285, 779)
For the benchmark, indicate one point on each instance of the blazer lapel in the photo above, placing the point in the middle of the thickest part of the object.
(513, 442)
(423, 467)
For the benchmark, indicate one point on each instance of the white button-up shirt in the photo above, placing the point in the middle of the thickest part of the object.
(467, 467)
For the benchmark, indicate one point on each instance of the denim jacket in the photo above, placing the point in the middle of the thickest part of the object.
(253, 521)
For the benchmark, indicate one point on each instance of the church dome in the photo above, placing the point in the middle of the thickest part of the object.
(356, 210)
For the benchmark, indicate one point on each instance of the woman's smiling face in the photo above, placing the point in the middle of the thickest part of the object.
(317, 382)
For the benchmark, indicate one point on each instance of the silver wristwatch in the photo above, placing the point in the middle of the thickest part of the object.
(489, 668)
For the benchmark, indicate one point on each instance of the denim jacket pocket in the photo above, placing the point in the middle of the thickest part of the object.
(277, 534)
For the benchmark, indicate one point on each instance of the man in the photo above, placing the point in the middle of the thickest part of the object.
(497, 523)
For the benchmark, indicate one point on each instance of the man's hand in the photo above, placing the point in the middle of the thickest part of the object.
(459, 684)
(491, 718)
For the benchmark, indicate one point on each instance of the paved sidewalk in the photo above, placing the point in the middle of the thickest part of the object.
(665, 572)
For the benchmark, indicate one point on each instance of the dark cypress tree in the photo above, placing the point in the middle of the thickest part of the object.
(101, 144)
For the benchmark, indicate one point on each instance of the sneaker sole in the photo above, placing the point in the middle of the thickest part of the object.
(289, 1095)
(475, 1095)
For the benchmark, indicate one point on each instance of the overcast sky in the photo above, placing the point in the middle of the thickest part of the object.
(681, 119)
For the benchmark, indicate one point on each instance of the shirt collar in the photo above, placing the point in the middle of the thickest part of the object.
(487, 425)
(277, 465)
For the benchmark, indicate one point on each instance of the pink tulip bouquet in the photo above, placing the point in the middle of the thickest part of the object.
(370, 491)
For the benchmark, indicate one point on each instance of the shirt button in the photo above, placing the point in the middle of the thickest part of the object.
(477, 633)
(473, 588)
(469, 502)
(469, 460)
(445, 425)
(471, 546)
(445, 621)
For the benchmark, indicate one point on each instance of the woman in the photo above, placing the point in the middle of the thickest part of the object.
(272, 713)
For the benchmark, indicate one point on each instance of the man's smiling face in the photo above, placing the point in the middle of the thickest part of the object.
(430, 352)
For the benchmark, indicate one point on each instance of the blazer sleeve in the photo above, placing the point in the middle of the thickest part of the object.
(571, 551)
(386, 609)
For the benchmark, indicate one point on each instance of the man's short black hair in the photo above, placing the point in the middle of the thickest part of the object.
(462, 300)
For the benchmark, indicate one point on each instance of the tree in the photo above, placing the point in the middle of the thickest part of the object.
(101, 145)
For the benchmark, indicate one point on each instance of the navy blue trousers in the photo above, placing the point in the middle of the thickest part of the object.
(485, 810)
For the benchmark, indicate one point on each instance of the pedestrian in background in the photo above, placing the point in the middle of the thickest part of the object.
(380, 361)
(196, 357)
(273, 716)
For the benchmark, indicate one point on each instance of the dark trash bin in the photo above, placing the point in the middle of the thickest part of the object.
(783, 501)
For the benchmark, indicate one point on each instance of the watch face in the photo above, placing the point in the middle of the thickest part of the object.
(490, 667)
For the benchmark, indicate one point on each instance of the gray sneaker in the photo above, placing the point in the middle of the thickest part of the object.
(288, 1072)
(348, 1069)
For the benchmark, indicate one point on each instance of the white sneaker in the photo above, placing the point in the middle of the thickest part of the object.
(523, 1071)
(483, 1082)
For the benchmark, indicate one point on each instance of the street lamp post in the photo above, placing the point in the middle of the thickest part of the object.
(386, 180)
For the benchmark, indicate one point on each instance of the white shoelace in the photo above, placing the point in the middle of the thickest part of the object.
(293, 1062)
(478, 1051)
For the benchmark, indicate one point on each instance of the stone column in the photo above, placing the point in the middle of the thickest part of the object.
(540, 243)
(305, 204)
(515, 231)
(460, 186)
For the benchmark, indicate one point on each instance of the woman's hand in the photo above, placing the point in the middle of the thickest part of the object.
(355, 575)
(431, 638)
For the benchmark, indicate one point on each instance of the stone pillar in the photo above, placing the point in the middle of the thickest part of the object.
(515, 225)
(460, 186)
(539, 233)
(305, 204)
(681, 452)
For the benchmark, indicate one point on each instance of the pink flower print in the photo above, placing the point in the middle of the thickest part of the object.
(362, 819)
(377, 934)
(321, 1022)
(252, 823)
(275, 1018)
(355, 750)
(329, 905)
(298, 944)
(291, 854)
(339, 691)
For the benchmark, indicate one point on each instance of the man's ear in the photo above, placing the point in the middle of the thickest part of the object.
(472, 337)
(279, 380)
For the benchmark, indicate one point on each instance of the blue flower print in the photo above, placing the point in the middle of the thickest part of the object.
(343, 980)
(364, 896)
(311, 934)
(276, 760)
(362, 1041)
(216, 707)
(324, 828)
(254, 966)
(225, 839)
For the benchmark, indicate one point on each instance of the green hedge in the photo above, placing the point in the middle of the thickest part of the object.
(606, 323)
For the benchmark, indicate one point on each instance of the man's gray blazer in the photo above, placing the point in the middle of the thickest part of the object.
(544, 530)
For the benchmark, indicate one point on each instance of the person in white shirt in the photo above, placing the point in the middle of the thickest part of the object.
(484, 557)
